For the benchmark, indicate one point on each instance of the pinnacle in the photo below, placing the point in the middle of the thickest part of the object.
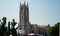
(24, 2)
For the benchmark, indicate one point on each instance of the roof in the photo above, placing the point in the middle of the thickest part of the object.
(43, 26)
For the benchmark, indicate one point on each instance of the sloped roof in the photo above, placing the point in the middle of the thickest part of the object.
(43, 26)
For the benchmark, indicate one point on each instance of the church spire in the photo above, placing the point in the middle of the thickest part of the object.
(24, 2)
(20, 3)
(27, 4)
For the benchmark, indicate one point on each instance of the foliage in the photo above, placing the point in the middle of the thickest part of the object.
(8, 32)
(4, 20)
(54, 30)
(3, 28)
(13, 30)
(13, 23)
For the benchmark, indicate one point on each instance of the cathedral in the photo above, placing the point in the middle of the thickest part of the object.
(24, 25)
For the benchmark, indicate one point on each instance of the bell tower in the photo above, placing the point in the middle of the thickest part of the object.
(24, 17)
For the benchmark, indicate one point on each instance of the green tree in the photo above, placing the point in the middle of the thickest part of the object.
(54, 30)
(9, 27)
(0, 28)
(13, 30)
(13, 23)
(3, 28)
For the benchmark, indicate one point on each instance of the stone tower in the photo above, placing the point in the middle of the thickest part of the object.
(24, 18)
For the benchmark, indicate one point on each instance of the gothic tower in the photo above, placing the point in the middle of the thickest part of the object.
(24, 18)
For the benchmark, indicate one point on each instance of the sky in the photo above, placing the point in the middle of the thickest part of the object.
(41, 12)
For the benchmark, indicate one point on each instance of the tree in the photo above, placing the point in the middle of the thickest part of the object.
(13, 23)
(13, 30)
(3, 28)
(0, 24)
(54, 30)
(8, 29)
(4, 20)
(5, 31)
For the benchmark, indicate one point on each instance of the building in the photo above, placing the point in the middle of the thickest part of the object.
(24, 25)
(44, 30)
(34, 28)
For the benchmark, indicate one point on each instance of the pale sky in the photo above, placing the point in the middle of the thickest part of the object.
(40, 11)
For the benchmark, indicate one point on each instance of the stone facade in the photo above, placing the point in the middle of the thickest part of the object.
(24, 24)
(34, 28)
(25, 27)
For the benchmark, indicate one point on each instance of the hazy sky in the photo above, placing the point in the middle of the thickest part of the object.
(40, 11)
